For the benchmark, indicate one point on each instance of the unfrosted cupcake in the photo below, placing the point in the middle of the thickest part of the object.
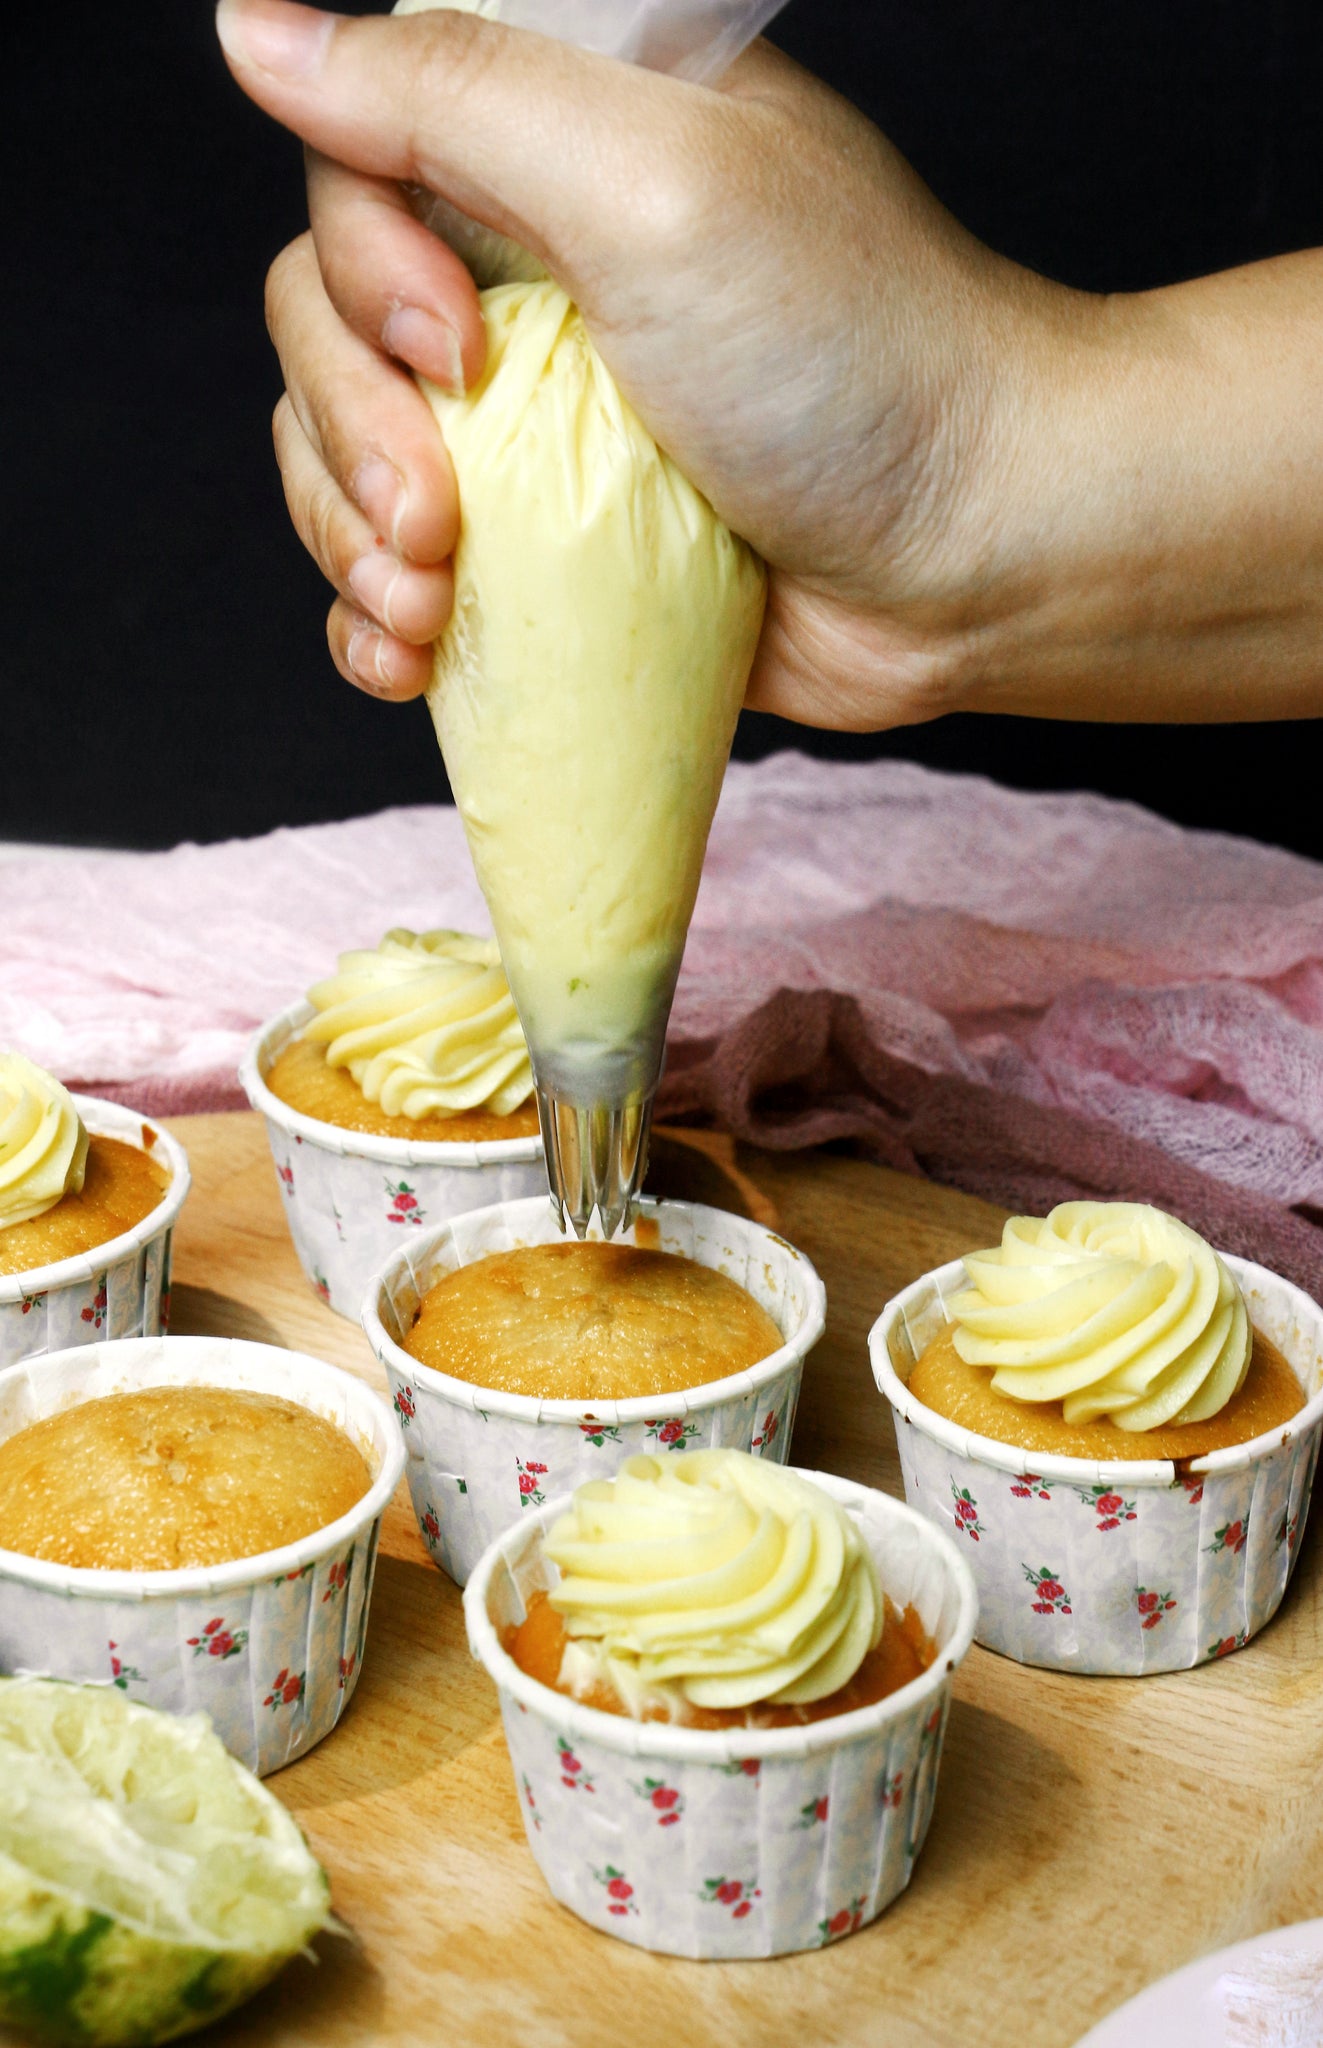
(1122, 1424)
(724, 1686)
(88, 1195)
(396, 1095)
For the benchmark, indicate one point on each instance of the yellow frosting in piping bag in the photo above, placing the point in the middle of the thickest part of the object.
(586, 690)
(425, 1024)
(716, 1577)
(1112, 1308)
(43, 1145)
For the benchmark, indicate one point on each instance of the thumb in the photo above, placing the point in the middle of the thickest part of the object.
(539, 140)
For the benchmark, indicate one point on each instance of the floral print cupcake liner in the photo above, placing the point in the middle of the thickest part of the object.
(1112, 1569)
(479, 1460)
(737, 1843)
(271, 1646)
(350, 1198)
(119, 1289)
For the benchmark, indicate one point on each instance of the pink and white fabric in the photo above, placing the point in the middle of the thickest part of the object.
(879, 951)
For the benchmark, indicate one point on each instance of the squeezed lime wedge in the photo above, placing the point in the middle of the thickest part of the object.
(148, 1882)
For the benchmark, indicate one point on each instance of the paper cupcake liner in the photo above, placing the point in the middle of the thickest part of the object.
(350, 1197)
(1120, 1568)
(118, 1289)
(478, 1460)
(730, 1843)
(269, 1646)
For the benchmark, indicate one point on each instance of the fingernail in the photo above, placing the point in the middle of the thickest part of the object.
(379, 490)
(428, 343)
(372, 579)
(368, 657)
(289, 41)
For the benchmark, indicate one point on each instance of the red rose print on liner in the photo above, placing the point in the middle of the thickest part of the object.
(530, 1474)
(1286, 1531)
(812, 1814)
(321, 1286)
(1194, 1488)
(746, 1767)
(218, 1641)
(842, 1922)
(1110, 1507)
(1231, 1536)
(1228, 1644)
(600, 1434)
(619, 1891)
(347, 1668)
(430, 1526)
(771, 1424)
(669, 1434)
(403, 1403)
(289, 1578)
(337, 1578)
(287, 1689)
(1152, 1607)
(96, 1314)
(966, 1513)
(1030, 1487)
(121, 1674)
(1052, 1597)
(668, 1802)
(286, 1173)
(891, 1788)
(403, 1203)
(31, 1301)
(572, 1772)
(732, 1892)
(531, 1802)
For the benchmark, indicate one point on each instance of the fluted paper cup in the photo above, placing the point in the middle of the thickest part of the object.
(351, 1197)
(1113, 1568)
(479, 1459)
(740, 1842)
(120, 1288)
(270, 1646)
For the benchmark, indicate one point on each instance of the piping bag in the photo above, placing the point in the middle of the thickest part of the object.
(586, 690)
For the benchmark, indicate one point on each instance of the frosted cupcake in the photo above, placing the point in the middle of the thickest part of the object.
(88, 1195)
(397, 1094)
(1122, 1423)
(724, 1686)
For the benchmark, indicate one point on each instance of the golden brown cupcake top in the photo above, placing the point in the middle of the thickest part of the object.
(121, 1185)
(589, 1322)
(166, 1477)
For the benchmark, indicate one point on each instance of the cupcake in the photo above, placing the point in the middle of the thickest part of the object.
(536, 1381)
(1122, 1426)
(724, 1686)
(89, 1193)
(224, 1558)
(397, 1094)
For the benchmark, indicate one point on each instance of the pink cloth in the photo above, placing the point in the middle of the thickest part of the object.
(1071, 951)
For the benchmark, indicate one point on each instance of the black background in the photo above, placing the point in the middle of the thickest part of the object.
(164, 670)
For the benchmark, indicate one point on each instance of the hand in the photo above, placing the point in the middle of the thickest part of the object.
(752, 263)
(973, 488)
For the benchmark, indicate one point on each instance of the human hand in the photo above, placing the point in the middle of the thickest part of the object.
(789, 311)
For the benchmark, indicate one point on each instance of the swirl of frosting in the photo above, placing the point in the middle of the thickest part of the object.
(713, 1577)
(1111, 1308)
(426, 1025)
(43, 1145)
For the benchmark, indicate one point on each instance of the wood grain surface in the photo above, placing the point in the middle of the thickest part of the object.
(1090, 1834)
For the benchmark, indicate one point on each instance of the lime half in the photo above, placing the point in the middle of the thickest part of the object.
(148, 1882)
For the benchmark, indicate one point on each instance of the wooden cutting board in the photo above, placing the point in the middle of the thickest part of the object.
(1090, 1834)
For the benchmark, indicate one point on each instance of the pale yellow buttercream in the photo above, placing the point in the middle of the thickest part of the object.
(426, 1025)
(1112, 1308)
(716, 1576)
(43, 1145)
(586, 690)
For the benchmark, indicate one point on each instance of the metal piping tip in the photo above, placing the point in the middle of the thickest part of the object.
(596, 1159)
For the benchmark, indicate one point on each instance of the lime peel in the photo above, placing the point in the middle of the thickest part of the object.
(148, 1882)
